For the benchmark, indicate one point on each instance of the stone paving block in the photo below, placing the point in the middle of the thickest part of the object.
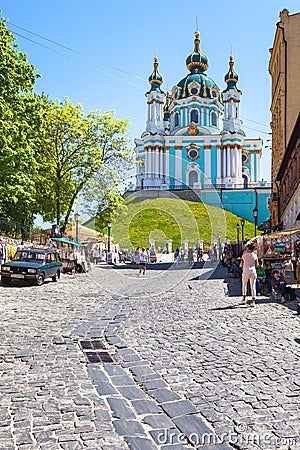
(115, 370)
(163, 395)
(154, 384)
(123, 380)
(143, 369)
(121, 408)
(145, 406)
(131, 364)
(144, 378)
(168, 437)
(132, 392)
(74, 445)
(104, 388)
(179, 408)
(137, 443)
(96, 374)
(158, 421)
(192, 425)
(24, 438)
(128, 428)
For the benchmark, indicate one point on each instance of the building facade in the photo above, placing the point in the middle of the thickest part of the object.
(288, 177)
(194, 137)
(284, 68)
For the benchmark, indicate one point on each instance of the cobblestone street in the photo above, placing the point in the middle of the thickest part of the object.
(112, 360)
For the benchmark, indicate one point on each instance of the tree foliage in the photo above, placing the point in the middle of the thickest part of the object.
(50, 150)
(74, 148)
(19, 118)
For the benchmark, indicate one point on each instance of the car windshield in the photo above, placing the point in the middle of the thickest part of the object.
(29, 257)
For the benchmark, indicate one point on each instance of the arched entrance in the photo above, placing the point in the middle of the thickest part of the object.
(193, 178)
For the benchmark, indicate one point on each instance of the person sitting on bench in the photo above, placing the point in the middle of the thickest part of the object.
(262, 279)
(279, 284)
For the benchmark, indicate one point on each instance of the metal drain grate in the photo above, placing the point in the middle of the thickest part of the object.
(94, 350)
(99, 357)
(92, 344)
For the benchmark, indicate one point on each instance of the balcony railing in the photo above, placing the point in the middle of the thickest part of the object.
(228, 186)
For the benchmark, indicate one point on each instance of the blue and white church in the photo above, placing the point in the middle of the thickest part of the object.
(194, 140)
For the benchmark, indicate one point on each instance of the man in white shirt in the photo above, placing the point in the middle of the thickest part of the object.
(143, 260)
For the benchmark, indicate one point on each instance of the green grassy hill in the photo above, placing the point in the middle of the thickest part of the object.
(166, 218)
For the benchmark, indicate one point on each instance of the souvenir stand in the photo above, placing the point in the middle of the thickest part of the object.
(277, 249)
(72, 255)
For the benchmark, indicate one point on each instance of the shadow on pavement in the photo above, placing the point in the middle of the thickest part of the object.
(153, 266)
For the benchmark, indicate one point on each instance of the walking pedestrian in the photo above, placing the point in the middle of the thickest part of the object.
(143, 261)
(3, 252)
(176, 256)
(249, 262)
(191, 257)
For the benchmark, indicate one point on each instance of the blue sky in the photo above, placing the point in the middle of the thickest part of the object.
(113, 45)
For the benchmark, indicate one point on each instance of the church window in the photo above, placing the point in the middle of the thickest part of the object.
(194, 116)
(214, 94)
(194, 91)
(214, 119)
(192, 153)
(244, 158)
(176, 119)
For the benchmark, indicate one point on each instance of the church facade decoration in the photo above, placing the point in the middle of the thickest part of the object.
(194, 137)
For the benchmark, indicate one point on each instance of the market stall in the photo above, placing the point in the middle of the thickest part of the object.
(279, 248)
(73, 255)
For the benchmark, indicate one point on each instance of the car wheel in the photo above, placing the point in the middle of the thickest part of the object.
(5, 280)
(56, 277)
(40, 279)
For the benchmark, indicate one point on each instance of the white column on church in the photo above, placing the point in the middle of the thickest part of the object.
(157, 162)
(223, 152)
(239, 162)
(207, 164)
(152, 162)
(161, 163)
(257, 166)
(178, 167)
(167, 164)
(228, 151)
(218, 162)
(233, 162)
(202, 115)
(185, 115)
(252, 166)
(149, 162)
(146, 163)
(225, 110)
(236, 161)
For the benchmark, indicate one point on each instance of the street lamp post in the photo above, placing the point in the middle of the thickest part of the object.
(238, 232)
(237, 238)
(243, 224)
(76, 217)
(108, 236)
(255, 213)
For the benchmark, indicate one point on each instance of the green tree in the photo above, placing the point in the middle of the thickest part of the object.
(74, 147)
(19, 117)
